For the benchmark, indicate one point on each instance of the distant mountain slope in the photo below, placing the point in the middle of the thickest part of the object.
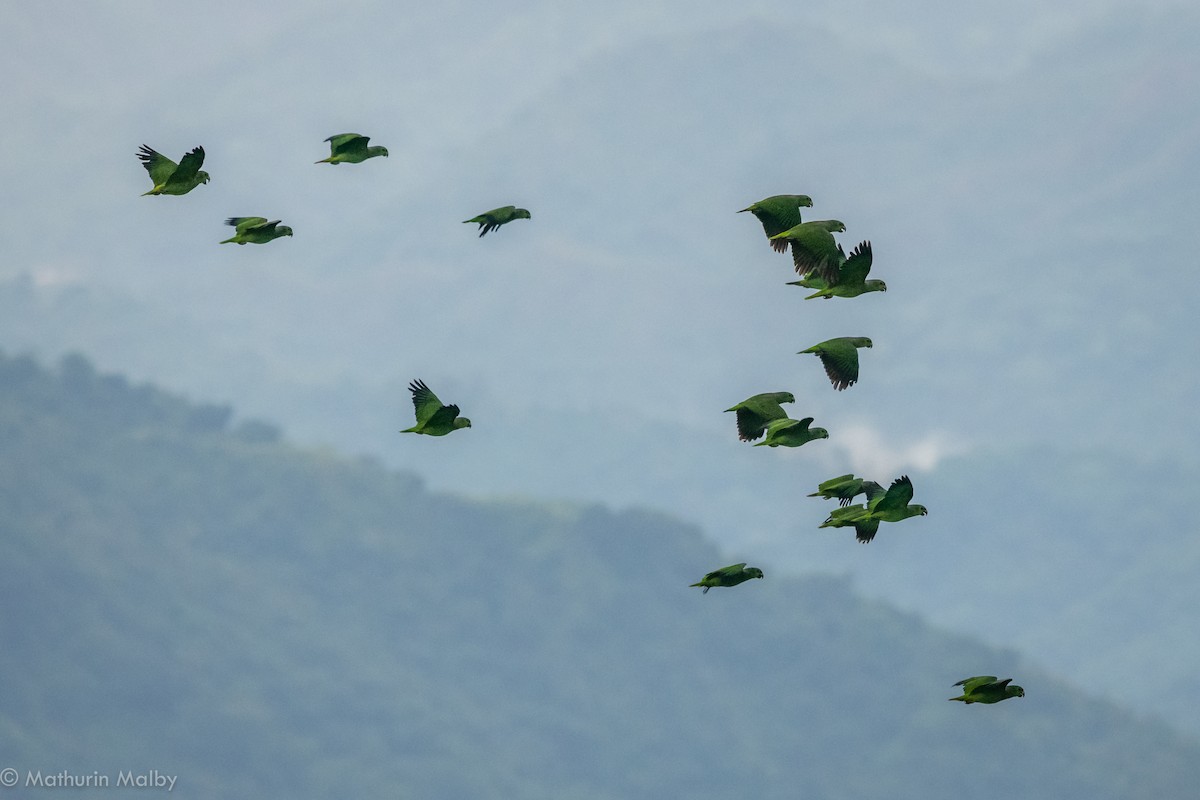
(259, 619)
(1090, 550)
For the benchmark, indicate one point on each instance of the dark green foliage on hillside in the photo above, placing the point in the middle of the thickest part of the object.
(266, 621)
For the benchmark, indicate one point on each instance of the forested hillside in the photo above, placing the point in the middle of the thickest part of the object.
(190, 593)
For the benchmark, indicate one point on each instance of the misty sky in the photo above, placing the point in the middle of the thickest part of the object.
(988, 153)
(1026, 173)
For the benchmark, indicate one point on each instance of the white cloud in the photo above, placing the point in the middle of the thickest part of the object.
(56, 275)
(868, 452)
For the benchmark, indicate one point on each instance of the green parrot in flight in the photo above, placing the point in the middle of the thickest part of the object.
(491, 220)
(791, 433)
(172, 178)
(845, 488)
(779, 213)
(729, 576)
(814, 250)
(851, 279)
(755, 412)
(840, 358)
(255, 230)
(986, 689)
(433, 418)
(351, 148)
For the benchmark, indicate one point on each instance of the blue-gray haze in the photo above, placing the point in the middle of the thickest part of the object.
(1026, 173)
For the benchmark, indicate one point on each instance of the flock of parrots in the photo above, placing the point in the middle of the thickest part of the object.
(822, 265)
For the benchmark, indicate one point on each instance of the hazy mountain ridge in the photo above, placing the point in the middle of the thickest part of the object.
(256, 617)
(1070, 549)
